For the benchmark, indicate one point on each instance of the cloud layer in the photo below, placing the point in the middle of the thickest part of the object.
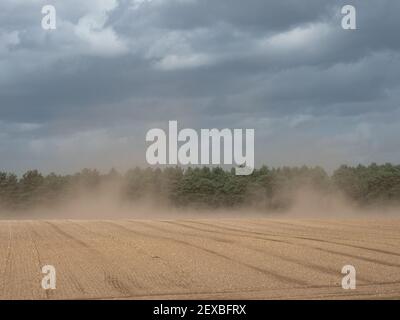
(86, 93)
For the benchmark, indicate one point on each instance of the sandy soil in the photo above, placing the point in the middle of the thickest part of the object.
(200, 259)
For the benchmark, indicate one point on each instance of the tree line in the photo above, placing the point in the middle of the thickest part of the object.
(267, 188)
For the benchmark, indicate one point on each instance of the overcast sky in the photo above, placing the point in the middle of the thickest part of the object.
(85, 94)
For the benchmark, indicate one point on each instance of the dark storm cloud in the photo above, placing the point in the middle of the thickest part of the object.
(254, 15)
(113, 69)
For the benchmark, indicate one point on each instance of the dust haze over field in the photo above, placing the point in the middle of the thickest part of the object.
(105, 247)
(108, 203)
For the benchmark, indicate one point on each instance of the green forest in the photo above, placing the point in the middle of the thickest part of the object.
(267, 188)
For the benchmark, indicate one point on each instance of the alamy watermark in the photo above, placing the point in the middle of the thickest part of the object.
(185, 147)
(49, 20)
(49, 280)
(349, 21)
(349, 280)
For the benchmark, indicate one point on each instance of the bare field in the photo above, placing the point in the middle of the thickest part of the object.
(200, 259)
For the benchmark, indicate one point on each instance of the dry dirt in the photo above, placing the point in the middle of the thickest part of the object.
(200, 259)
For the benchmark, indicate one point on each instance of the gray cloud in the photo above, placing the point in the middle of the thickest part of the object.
(113, 69)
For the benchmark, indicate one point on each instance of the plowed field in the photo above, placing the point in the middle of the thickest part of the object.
(200, 259)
